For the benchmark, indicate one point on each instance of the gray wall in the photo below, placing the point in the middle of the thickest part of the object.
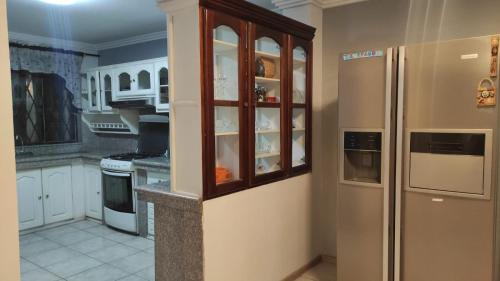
(381, 24)
(141, 51)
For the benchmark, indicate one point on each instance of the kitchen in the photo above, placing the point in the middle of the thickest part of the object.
(91, 119)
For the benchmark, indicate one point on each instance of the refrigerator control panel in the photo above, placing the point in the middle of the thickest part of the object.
(450, 162)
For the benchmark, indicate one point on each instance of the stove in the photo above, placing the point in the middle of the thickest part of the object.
(119, 176)
(123, 162)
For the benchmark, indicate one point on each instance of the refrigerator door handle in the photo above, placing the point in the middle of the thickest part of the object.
(399, 163)
(387, 163)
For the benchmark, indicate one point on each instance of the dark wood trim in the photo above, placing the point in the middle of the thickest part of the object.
(303, 269)
(256, 32)
(50, 49)
(269, 104)
(298, 105)
(226, 103)
(256, 14)
(211, 20)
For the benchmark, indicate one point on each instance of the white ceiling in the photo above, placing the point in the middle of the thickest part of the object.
(90, 21)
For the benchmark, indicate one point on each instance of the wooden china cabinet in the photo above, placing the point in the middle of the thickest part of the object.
(257, 96)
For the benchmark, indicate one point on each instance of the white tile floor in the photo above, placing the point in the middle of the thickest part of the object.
(324, 271)
(85, 251)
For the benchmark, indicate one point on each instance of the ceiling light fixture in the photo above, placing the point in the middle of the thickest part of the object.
(59, 2)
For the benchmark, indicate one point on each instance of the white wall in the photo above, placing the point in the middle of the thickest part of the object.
(264, 233)
(381, 24)
(9, 241)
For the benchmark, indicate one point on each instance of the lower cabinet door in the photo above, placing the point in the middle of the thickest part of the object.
(57, 194)
(29, 198)
(93, 191)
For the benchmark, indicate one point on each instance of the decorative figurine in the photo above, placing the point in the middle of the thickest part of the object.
(260, 93)
(486, 93)
(494, 57)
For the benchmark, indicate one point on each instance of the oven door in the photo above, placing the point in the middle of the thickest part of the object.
(118, 193)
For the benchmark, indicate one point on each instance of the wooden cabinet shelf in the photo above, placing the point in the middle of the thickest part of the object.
(247, 56)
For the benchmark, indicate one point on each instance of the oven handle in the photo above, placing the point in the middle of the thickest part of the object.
(123, 175)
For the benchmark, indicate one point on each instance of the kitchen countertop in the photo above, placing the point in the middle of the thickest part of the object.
(35, 161)
(158, 163)
(46, 160)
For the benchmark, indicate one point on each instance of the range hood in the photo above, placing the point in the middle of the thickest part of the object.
(120, 121)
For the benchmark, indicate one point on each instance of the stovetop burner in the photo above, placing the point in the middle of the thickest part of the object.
(131, 156)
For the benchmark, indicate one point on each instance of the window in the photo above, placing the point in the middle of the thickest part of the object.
(43, 109)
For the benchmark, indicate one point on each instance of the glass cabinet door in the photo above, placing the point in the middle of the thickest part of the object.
(94, 91)
(161, 77)
(124, 82)
(142, 82)
(107, 90)
(268, 62)
(300, 105)
(225, 48)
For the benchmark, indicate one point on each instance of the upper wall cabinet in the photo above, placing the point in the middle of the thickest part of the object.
(146, 79)
(256, 96)
(134, 81)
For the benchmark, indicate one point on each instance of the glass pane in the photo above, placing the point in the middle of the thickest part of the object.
(93, 92)
(144, 80)
(267, 140)
(118, 193)
(163, 74)
(227, 140)
(107, 90)
(163, 94)
(299, 75)
(124, 82)
(225, 64)
(298, 137)
(43, 109)
(267, 113)
(267, 70)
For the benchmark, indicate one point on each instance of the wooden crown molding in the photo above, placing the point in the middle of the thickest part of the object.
(323, 4)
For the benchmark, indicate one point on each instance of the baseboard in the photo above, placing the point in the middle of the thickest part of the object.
(299, 272)
(329, 259)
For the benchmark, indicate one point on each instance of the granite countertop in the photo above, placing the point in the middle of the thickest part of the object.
(44, 160)
(155, 162)
(159, 193)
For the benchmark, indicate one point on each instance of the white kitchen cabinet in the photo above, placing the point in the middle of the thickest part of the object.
(94, 91)
(107, 89)
(161, 86)
(93, 191)
(134, 81)
(57, 194)
(29, 198)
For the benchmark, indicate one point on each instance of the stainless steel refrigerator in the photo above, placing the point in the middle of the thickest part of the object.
(417, 163)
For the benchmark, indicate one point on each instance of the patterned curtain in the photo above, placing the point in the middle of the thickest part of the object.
(67, 66)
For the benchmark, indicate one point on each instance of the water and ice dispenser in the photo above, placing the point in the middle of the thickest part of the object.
(362, 162)
(454, 163)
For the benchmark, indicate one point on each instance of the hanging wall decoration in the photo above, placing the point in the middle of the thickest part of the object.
(486, 93)
(494, 57)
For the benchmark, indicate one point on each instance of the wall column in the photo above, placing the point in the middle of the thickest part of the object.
(184, 94)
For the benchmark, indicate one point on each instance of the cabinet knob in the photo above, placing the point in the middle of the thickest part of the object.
(47, 196)
(40, 197)
(98, 192)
